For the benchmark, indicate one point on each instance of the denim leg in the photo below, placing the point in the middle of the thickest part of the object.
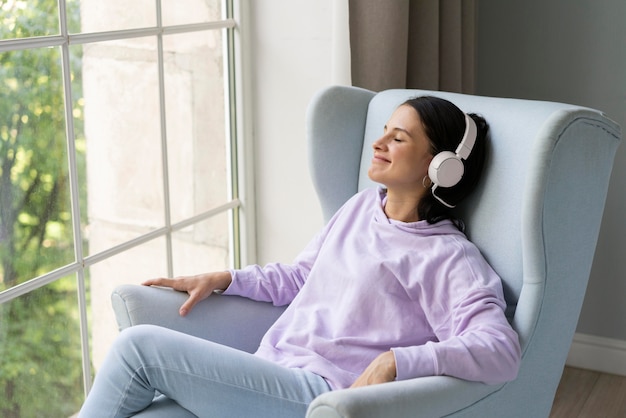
(163, 407)
(206, 379)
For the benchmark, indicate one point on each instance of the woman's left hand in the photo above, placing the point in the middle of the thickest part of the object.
(381, 370)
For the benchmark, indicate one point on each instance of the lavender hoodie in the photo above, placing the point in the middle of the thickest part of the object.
(367, 284)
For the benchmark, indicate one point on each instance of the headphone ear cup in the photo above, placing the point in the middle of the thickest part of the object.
(446, 169)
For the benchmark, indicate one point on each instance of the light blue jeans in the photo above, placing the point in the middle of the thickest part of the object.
(196, 378)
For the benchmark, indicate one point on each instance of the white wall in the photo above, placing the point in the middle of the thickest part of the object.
(291, 53)
(570, 51)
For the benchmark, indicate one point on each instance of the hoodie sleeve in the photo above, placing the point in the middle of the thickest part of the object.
(277, 282)
(474, 340)
(483, 347)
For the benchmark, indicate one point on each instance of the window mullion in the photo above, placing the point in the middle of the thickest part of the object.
(164, 153)
(74, 198)
(243, 248)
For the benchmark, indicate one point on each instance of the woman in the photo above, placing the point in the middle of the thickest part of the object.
(390, 289)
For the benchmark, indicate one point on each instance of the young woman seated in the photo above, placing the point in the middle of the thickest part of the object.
(390, 289)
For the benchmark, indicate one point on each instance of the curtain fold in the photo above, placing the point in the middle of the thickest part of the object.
(424, 44)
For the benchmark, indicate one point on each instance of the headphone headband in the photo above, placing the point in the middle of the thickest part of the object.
(446, 168)
(469, 138)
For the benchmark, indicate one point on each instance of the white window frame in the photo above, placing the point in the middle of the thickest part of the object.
(240, 206)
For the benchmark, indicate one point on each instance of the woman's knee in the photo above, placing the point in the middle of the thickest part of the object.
(141, 331)
(139, 340)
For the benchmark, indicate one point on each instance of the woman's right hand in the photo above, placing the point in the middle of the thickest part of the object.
(198, 287)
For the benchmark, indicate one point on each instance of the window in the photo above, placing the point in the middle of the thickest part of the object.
(118, 162)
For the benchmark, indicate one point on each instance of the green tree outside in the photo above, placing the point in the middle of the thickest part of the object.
(40, 358)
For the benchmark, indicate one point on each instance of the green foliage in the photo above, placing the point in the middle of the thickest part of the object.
(22, 19)
(40, 368)
(40, 359)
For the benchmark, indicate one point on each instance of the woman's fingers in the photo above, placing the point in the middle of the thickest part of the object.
(197, 287)
(188, 305)
(161, 281)
(176, 284)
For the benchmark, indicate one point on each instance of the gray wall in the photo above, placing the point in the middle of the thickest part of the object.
(571, 51)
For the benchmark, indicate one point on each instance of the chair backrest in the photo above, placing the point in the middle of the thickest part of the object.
(536, 213)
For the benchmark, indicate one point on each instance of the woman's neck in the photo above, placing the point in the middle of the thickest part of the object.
(402, 206)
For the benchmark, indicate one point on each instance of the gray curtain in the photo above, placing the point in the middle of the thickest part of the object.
(424, 44)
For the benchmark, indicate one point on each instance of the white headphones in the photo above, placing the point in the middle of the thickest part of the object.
(446, 168)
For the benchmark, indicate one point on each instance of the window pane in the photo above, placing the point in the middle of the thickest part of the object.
(202, 247)
(109, 15)
(35, 215)
(23, 19)
(194, 91)
(40, 354)
(123, 141)
(130, 267)
(194, 11)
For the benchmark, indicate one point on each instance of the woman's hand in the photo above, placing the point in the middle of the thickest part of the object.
(198, 287)
(381, 370)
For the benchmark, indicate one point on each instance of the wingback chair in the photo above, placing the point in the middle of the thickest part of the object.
(535, 216)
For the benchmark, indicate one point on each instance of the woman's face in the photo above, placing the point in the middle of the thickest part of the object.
(402, 154)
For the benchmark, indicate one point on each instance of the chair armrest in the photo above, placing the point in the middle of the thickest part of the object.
(433, 396)
(230, 320)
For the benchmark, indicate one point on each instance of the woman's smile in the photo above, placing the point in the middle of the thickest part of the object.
(379, 159)
(402, 153)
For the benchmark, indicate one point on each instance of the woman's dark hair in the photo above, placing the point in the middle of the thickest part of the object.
(444, 124)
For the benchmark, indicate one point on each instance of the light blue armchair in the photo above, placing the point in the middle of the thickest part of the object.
(535, 216)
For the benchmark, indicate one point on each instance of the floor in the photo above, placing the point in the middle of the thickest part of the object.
(589, 394)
